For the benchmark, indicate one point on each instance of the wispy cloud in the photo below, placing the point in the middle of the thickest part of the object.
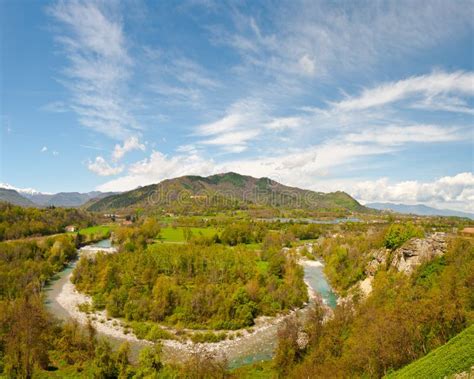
(55, 107)
(282, 123)
(395, 135)
(177, 79)
(303, 40)
(241, 123)
(92, 37)
(223, 125)
(428, 86)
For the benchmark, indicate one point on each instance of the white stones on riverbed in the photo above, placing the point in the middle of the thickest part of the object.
(239, 343)
(70, 299)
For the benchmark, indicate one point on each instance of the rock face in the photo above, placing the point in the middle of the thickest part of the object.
(379, 257)
(417, 251)
(404, 259)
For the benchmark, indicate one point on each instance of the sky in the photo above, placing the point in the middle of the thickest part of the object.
(371, 97)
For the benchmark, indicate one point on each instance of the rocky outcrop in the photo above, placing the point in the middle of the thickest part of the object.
(418, 250)
(404, 259)
(379, 258)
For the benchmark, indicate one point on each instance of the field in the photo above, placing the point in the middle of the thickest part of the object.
(453, 357)
(95, 233)
(170, 234)
(95, 229)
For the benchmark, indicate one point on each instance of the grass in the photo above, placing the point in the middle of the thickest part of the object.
(170, 234)
(456, 356)
(94, 230)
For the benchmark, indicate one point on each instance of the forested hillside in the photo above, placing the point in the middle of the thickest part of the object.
(404, 318)
(226, 191)
(19, 222)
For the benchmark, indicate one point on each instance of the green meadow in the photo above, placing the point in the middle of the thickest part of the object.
(170, 234)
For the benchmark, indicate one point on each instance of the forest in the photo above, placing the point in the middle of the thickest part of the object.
(217, 287)
(19, 222)
(221, 274)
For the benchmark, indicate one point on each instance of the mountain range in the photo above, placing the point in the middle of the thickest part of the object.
(228, 190)
(418, 209)
(31, 198)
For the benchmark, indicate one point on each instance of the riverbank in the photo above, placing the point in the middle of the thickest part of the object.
(241, 346)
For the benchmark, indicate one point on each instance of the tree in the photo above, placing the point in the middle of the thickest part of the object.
(288, 351)
(27, 337)
(105, 366)
(149, 362)
(398, 234)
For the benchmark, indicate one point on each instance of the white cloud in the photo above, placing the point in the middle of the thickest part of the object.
(102, 168)
(241, 123)
(159, 167)
(444, 103)
(55, 153)
(99, 65)
(449, 191)
(129, 144)
(307, 65)
(282, 123)
(427, 85)
(232, 138)
(394, 135)
(290, 167)
(44, 149)
(224, 124)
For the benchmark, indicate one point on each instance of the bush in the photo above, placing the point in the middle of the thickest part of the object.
(398, 234)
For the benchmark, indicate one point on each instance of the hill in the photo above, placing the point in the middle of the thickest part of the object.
(226, 191)
(13, 197)
(456, 356)
(419, 209)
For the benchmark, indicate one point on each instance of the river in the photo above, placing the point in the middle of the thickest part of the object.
(252, 347)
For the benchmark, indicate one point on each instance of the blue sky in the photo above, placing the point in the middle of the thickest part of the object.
(374, 98)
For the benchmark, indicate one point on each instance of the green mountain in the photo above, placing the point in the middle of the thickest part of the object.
(13, 197)
(225, 191)
(456, 356)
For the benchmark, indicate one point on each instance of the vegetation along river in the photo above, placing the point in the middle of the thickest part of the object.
(251, 347)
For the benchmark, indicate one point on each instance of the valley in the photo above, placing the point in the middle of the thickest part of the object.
(277, 289)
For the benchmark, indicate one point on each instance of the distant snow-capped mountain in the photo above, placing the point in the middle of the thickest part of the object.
(32, 197)
(28, 191)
